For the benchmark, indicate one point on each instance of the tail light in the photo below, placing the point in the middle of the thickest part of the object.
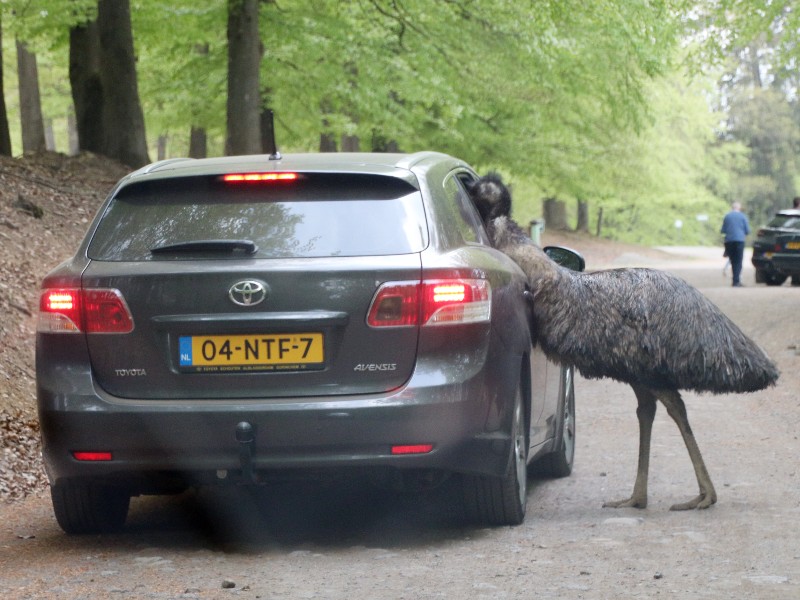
(432, 302)
(74, 310)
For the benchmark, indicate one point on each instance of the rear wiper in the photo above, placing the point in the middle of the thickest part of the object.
(246, 246)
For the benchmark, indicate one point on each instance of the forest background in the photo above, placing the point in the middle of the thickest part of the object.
(637, 120)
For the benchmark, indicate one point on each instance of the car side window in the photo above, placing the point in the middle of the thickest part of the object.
(468, 221)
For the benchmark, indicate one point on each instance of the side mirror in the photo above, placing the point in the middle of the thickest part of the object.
(566, 257)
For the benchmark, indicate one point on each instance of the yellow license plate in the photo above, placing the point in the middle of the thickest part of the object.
(793, 245)
(272, 352)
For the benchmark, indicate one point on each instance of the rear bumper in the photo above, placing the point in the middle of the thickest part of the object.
(787, 263)
(197, 439)
(763, 263)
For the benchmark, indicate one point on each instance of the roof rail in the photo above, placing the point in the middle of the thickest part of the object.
(411, 159)
(161, 163)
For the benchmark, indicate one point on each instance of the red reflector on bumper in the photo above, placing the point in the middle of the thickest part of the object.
(91, 456)
(412, 449)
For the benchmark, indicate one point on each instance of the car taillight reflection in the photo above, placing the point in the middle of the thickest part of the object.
(74, 310)
(432, 302)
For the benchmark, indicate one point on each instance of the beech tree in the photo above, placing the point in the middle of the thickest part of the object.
(86, 86)
(244, 98)
(123, 121)
(5, 136)
(102, 71)
(30, 104)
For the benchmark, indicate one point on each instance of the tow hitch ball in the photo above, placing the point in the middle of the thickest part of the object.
(245, 435)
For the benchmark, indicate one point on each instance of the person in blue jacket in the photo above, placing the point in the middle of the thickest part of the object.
(736, 227)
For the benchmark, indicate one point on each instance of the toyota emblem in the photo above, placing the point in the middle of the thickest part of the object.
(248, 292)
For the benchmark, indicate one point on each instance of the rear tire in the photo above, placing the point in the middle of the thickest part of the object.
(558, 463)
(502, 500)
(773, 279)
(84, 507)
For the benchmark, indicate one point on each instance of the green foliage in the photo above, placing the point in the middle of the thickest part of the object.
(569, 99)
(44, 26)
(492, 81)
(763, 120)
(757, 43)
(675, 170)
(182, 66)
(727, 26)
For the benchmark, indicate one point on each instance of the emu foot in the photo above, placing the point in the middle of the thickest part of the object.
(704, 500)
(632, 502)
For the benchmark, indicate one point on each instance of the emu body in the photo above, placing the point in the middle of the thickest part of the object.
(643, 327)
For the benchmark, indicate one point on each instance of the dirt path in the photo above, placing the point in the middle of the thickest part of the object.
(341, 542)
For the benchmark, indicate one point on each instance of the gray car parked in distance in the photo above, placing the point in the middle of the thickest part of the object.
(235, 320)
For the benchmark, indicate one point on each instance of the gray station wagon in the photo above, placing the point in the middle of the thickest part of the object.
(230, 320)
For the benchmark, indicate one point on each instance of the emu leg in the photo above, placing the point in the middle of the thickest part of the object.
(646, 413)
(677, 410)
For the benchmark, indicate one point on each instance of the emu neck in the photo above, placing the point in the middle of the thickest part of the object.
(508, 237)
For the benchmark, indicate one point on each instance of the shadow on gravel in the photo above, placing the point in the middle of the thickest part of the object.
(290, 515)
(294, 514)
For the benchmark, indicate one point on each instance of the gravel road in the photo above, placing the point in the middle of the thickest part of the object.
(343, 542)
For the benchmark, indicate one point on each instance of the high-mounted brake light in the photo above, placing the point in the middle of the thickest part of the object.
(412, 449)
(258, 177)
(72, 310)
(432, 302)
(92, 456)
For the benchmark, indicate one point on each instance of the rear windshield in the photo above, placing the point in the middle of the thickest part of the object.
(785, 222)
(318, 215)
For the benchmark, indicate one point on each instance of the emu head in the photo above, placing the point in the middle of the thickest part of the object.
(491, 197)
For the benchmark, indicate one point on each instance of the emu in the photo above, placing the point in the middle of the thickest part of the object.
(643, 327)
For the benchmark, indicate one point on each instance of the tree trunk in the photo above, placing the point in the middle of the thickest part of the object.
(583, 216)
(124, 138)
(268, 143)
(555, 214)
(599, 221)
(30, 104)
(244, 58)
(49, 136)
(5, 135)
(161, 147)
(72, 135)
(198, 143)
(350, 143)
(327, 143)
(381, 144)
(87, 89)
(755, 65)
(198, 137)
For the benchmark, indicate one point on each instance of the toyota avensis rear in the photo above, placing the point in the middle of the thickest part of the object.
(228, 319)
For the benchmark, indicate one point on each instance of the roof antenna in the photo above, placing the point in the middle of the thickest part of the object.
(268, 134)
